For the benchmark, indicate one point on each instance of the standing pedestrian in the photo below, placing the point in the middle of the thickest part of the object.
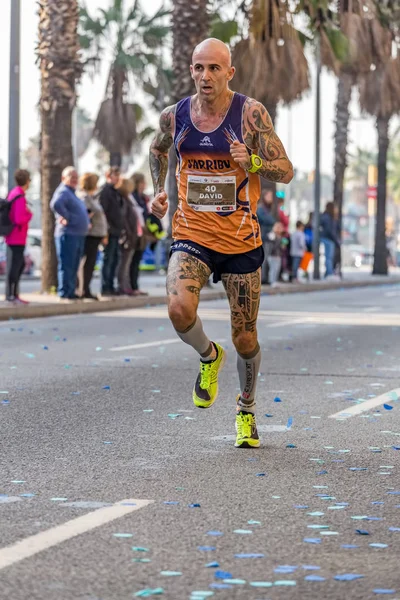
(337, 260)
(20, 216)
(275, 253)
(72, 225)
(112, 203)
(266, 220)
(129, 236)
(329, 237)
(142, 203)
(97, 233)
(297, 248)
(308, 255)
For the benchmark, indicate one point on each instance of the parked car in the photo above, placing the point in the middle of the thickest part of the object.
(34, 245)
(29, 261)
(356, 255)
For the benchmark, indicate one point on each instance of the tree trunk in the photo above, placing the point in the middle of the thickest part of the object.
(115, 159)
(380, 255)
(60, 67)
(345, 84)
(190, 26)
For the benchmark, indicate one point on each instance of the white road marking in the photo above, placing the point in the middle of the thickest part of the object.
(363, 319)
(145, 345)
(151, 344)
(52, 537)
(357, 409)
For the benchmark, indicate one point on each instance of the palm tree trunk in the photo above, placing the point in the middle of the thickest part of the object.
(345, 85)
(190, 26)
(380, 255)
(60, 67)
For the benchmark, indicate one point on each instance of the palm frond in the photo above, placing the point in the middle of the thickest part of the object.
(115, 126)
(380, 90)
(223, 30)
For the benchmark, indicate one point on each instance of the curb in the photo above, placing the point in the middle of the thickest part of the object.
(94, 306)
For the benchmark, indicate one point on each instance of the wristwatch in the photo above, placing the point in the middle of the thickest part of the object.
(256, 163)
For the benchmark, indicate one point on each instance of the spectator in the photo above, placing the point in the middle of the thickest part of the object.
(112, 203)
(337, 261)
(129, 236)
(72, 225)
(308, 255)
(20, 215)
(97, 233)
(308, 232)
(141, 203)
(266, 220)
(282, 216)
(329, 237)
(297, 248)
(275, 253)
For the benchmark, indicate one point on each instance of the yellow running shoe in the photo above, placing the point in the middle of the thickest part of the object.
(246, 431)
(205, 389)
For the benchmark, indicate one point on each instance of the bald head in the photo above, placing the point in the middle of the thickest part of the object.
(211, 47)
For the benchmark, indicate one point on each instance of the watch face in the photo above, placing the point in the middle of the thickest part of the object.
(257, 161)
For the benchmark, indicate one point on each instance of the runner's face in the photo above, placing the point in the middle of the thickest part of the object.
(211, 73)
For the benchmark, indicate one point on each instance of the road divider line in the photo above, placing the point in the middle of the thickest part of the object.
(146, 345)
(152, 344)
(357, 409)
(52, 537)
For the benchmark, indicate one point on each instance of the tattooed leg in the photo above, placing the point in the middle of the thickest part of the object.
(244, 299)
(186, 277)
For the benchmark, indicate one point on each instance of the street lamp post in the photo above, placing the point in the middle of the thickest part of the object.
(13, 127)
(317, 180)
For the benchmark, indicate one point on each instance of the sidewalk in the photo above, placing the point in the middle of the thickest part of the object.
(154, 284)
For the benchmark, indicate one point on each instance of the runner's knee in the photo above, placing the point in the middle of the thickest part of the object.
(182, 314)
(245, 342)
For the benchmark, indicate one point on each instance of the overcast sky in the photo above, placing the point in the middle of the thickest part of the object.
(300, 143)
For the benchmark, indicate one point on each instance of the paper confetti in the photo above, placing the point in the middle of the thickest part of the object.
(347, 577)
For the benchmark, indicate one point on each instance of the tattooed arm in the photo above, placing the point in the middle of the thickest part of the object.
(159, 148)
(259, 135)
(159, 160)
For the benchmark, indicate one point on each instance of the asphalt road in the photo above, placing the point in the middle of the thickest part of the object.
(86, 423)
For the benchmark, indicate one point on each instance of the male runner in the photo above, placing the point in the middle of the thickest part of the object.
(224, 141)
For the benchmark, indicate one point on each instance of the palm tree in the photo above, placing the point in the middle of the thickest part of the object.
(60, 68)
(368, 44)
(190, 26)
(359, 163)
(270, 62)
(135, 40)
(380, 97)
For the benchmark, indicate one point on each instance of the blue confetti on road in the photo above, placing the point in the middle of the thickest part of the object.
(348, 577)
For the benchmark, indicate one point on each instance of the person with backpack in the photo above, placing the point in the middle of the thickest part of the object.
(18, 216)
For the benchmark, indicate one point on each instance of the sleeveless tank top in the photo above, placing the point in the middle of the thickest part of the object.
(217, 199)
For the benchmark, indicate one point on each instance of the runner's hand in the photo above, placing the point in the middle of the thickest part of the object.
(240, 155)
(160, 205)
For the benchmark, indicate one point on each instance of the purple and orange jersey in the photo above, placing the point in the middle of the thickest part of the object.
(217, 199)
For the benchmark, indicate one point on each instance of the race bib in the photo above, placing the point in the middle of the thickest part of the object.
(211, 194)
